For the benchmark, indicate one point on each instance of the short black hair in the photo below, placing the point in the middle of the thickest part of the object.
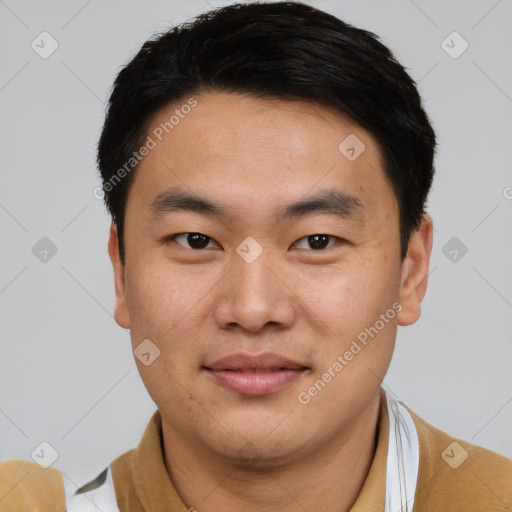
(287, 50)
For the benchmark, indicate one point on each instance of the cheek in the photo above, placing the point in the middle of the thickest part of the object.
(349, 297)
(166, 308)
(350, 302)
(158, 298)
(333, 300)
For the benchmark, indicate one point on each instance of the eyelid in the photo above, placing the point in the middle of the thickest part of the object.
(334, 237)
(171, 238)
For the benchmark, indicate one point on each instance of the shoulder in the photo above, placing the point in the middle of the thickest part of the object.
(26, 486)
(457, 475)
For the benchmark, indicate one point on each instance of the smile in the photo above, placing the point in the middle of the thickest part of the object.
(255, 375)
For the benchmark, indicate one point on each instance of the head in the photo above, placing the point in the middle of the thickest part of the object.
(266, 167)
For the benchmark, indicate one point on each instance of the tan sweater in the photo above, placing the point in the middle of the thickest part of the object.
(446, 481)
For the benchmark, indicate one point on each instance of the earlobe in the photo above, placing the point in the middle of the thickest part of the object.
(121, 313)
(415, 272)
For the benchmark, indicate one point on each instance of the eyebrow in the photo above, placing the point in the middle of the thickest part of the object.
(328, 201)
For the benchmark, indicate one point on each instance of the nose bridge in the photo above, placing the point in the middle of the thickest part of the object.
(251, 295)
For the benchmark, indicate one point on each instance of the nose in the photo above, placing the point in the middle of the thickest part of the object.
(253, 295)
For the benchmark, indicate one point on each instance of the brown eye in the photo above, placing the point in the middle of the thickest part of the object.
(194, 240)
(316, 242)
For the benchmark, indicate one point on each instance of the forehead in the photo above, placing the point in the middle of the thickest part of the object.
(242, 149)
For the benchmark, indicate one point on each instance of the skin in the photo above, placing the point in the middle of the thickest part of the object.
(226, 451)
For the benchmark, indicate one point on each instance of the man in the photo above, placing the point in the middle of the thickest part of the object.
(267, 168)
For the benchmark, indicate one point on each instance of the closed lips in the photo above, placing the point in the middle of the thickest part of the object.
(254, 375)
(254, 364)
(258, 370)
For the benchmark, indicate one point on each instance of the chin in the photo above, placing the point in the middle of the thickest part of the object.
(259, 443)
(262, 455)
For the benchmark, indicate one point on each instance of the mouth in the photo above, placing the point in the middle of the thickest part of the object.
(255, 375)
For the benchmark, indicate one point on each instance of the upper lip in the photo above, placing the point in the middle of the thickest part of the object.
(247, 362)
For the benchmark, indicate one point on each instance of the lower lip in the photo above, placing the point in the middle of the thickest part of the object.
(256, 383)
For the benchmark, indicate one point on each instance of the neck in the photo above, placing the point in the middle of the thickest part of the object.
(335, 471)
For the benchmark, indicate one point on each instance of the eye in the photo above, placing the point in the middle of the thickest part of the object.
(316, 242)
(195, 240)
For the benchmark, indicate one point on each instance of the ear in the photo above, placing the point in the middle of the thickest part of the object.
(415, 272)
(121, 313)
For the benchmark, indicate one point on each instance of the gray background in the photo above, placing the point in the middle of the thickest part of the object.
(67, 374)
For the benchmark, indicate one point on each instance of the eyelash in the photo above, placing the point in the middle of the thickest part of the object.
(171, 238)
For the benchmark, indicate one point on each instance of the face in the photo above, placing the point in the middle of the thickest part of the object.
(263, 270)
